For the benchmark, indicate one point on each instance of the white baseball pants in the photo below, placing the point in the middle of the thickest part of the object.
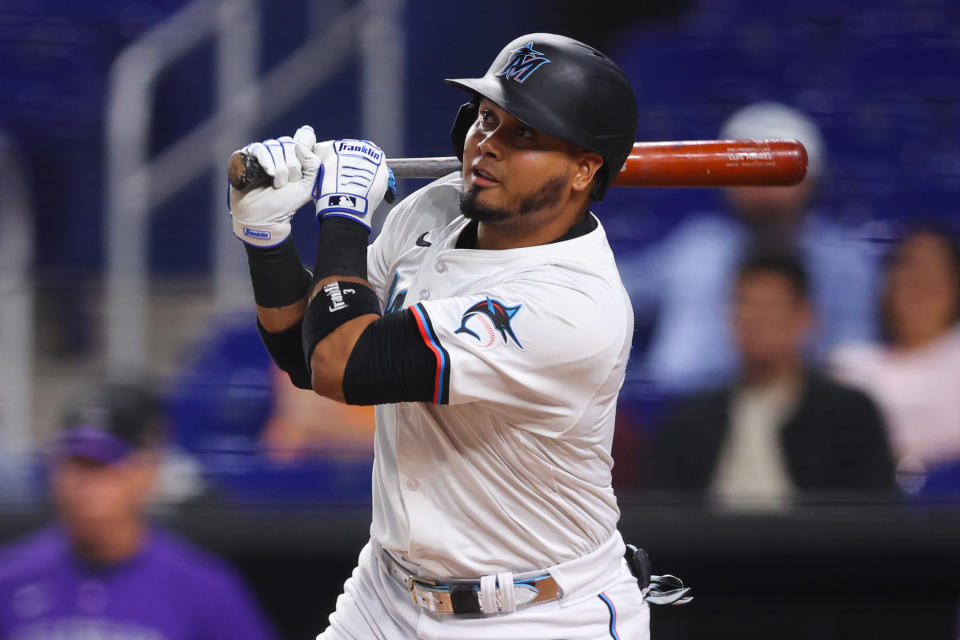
(595, 606)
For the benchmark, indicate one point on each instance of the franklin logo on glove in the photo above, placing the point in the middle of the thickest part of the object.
(256, 234)
(348, 147)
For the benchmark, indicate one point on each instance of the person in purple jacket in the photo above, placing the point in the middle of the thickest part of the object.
(102, 571)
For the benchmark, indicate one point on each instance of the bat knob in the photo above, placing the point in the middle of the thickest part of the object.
(244, 172)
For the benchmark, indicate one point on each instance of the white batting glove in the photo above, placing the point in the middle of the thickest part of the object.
(667, 589)
(353, 179)
(261, 216)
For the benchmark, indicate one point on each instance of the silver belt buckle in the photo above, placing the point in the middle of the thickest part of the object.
(413, 581)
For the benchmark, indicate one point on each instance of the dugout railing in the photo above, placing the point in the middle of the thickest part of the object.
(138, 182)
(16, 321)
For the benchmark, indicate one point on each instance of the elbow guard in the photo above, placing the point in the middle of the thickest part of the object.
(335, 304)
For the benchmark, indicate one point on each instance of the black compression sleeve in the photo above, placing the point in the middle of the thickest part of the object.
(390, 363)
(278, 276)
(286, 349)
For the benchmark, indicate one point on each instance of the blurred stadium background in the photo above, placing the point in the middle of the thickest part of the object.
(116, 260)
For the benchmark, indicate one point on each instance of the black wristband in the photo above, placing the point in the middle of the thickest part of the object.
(341, 249)
(279, 278)
(335, 304)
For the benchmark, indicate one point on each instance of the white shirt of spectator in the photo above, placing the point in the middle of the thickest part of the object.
(752, 468)
(514, 472)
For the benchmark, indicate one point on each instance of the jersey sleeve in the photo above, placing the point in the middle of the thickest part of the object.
(539, 350)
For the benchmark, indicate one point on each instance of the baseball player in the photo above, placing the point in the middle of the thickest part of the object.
(489, 325)
(102, 571)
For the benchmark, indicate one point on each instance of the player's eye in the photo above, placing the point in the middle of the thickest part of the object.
(524, 132)
(485, 116)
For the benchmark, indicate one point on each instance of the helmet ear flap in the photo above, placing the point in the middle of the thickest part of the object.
(465, 117)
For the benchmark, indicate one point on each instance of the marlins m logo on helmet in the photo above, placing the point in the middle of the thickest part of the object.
(522, 63)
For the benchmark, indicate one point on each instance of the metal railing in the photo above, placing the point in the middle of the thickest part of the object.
(16, 321)
(137, 184)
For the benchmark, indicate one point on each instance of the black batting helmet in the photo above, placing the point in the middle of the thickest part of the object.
(561, 87)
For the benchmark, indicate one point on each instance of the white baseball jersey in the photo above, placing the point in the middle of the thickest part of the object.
(509, 467)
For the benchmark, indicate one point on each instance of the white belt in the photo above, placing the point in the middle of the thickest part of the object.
(490, 594)
(504, 592)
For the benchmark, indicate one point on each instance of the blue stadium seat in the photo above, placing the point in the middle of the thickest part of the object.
(219, 404)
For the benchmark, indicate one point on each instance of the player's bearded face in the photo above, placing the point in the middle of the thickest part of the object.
(511, 170)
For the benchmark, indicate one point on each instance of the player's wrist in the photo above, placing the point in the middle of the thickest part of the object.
(341, 249)
(278, 276)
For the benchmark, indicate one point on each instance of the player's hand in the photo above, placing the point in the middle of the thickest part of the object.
(667, 589)
(353, 179)
(261, 216)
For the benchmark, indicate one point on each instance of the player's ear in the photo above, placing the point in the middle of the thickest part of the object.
(588, 164)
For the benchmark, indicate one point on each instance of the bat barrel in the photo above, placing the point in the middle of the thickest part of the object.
(714, 163)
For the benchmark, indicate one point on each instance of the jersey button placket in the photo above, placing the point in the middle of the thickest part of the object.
(440, 266)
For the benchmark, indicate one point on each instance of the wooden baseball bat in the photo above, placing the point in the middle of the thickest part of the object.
(692, 163)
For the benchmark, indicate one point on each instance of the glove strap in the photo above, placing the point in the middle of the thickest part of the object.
(343, 205)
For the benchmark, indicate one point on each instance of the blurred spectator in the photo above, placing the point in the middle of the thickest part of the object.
(783, 428)
(915, 376)
(256, 436)
(102, 571)
(304, 426)
(680, 284)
